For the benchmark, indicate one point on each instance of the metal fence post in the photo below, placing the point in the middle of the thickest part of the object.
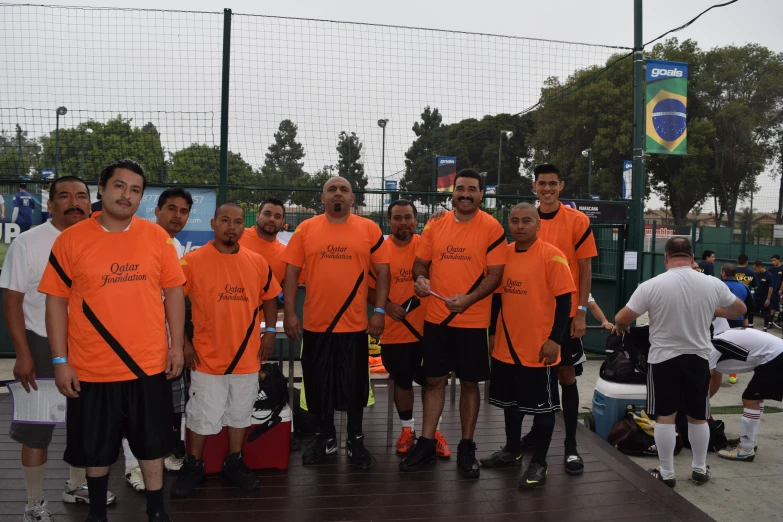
(619, 290)
(693, 235)
(652, 250)
(223, 185)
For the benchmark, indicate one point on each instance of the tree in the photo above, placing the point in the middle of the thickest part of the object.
(349, 165)
(12, 165)
(200, 164)
(309, 195)
(283, 166)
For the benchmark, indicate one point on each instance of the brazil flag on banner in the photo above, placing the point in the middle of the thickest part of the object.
(666, 99)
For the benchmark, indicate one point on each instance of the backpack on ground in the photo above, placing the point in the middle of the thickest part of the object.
(270, 401)
(633, 435)
(718, 439)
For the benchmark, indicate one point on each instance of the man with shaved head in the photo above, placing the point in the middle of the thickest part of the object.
(531, 317)
(336, 251)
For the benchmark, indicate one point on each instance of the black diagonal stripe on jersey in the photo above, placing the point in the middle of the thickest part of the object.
(730, 350)
(268, 281)
(511, 350)
(499, 241)
(413, 330)
(372, 275)
(347, 303)
(377, 245)
(243, 346)
(113, 343)
(584, 237)
(57, 268)
(452, 315)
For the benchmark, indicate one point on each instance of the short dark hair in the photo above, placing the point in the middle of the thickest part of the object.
(729, 270)
(23, 186)
(469, 173)
(706, 254)
(128, 164)
(402, 203)
(272, 201)
(545, 168)
(175, 192)
(232, 204)
(53, 186)
(742, 259)
(758, 264)
(776, 256)
(678, 247)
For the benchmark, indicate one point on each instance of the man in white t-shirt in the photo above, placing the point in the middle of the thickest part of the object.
(745, 350)
(171, 213)
(681, 305)
(25, 310)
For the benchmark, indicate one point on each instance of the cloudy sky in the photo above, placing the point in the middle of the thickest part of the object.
(329, 77)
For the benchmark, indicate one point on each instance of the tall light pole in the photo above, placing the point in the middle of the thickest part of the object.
(508, 135)
(382, 124)
(85, 132)
(60, 112)
(588, 153)
(19, 161)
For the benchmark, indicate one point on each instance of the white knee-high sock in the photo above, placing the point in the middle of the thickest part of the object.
(130, 460)
(33, 479)
(749, 428)
(699, 437)
(665, 440)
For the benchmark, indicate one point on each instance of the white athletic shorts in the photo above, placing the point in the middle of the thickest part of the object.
(220, 400)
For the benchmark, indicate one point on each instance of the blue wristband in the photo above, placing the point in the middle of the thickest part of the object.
(59, 360)
(583, 308)
(379, 310)
(271, 330)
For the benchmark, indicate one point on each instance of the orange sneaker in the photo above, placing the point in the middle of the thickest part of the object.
(441, 446)
(406, 441)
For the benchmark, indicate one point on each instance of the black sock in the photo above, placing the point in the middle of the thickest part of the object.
(405, 415)
(354, 423)
(546, 426)
(97, 488)
(326, 429)
(570, 412)
(513, 421)
(154, 501)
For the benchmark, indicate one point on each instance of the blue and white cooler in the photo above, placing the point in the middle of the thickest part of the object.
(611, 400)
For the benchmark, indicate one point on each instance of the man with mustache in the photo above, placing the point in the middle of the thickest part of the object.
(110, 348)
(25, 309)
(460, 258)
(229, 287)
(171, 213)
(262, 237)
(335, 252)
(404, 327)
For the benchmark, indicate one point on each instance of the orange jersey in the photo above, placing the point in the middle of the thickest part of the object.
(401, 292)
(335, 259)
(460, 254)
(531, 281)
(116, 320)
(227, 292)
(569, 231)
(272, 251)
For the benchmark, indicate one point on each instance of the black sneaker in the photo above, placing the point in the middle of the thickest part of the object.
(191, 475)
(534, 476)
(178, 450)
(358, 454)
(236, 472)
(160, 516)
(574, 465)
(422, 454)
(317, 450)
(502, 459)
(467, 465)
(656, 472)
(701, 477)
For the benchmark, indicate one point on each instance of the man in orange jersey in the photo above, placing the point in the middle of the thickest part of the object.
(262, 237)
(402, 334)
(107, 329)
(531, 324)
(228, 285)
(336, 250)
(460, 258)
(569, 231)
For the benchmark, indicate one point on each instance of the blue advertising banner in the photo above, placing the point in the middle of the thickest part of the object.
(198, 230)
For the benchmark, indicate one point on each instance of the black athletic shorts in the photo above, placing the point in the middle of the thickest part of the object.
(335, 371)
(462, 350)
(404, 364)
(572, 352)
(530, 390)
(767, 382)
(681, 383)
(139, 409)
(37, 436)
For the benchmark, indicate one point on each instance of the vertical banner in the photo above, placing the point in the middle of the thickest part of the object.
(666, 98)
(391, 186)
(198, 231)
(447, 171)
(627, 179)
(489, 191)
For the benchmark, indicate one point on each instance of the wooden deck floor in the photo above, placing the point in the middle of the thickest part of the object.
(612, 487)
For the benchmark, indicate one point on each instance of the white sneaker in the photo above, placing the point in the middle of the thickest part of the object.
(135, 478)
(73, 493)
(172, 463)
(38, 512)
